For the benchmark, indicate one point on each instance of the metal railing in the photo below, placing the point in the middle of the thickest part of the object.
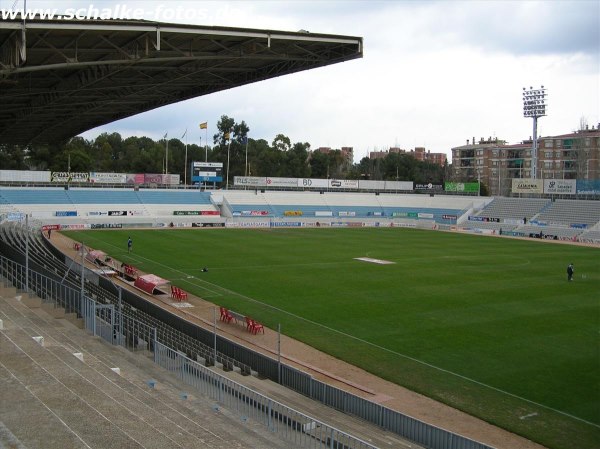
(296, 427)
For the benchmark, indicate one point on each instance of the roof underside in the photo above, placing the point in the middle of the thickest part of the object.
(61, 78)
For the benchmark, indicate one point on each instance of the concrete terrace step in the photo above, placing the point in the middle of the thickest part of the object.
(159, 414)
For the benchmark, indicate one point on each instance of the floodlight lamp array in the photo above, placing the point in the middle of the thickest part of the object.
(534, 102)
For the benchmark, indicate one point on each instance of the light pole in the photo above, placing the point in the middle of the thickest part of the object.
(228, 135)
(534, 106)
(166, 153)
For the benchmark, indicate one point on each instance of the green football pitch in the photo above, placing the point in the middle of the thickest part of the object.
(487, 325)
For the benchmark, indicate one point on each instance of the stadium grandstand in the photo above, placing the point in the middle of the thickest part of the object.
(113, 366)
(124, 317)
(61, 78)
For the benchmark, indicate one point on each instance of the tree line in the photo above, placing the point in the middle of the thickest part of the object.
(280, 158)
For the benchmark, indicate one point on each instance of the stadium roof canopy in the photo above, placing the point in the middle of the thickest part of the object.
(61, 78)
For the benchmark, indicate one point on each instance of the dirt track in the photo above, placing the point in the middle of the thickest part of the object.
(341, 374)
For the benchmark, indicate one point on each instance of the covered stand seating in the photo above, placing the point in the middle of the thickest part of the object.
(150, 284)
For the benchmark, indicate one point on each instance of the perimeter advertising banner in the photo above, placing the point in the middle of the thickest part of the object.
(282, 182)
(313, 183)
(343, 183)
(108, 178)
(429, 186)
(467, 187)
(560, 186)
(250, 181)
(64, 176)
(160, 178)
(588, 187)
(528, 186)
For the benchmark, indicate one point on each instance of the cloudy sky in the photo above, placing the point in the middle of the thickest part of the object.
(434, 73)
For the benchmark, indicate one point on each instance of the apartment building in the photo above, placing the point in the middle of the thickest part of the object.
(567, 156)
(419, 153)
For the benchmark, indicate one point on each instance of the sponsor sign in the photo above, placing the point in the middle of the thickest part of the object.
(62, 176)
(405, 214)
(527, 186)
(282, 182)
(254, 213)
(96, 214)
(186, 212)
(108, 178)
(588, 187)
(293, 213)
(323, 213)
(106, 226)
(248, 224)
(313, 183)
(484, 219)
(560, 186)
(73, 226)
(250, 181)
(54, 227)
(466, 187)
(424, 215)
(343, 183)
(153, 178)
(346, 214)
(117, 213)
(429, 186)
(286, 224)
(579, 225)
(65, 213)
(208, 225)
(449, 217)
(210, 212)
(134, 178)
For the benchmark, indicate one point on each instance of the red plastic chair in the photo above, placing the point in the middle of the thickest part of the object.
(257, 327)
(249, 324)
(181, 295)
(254, 326)
(225, 315)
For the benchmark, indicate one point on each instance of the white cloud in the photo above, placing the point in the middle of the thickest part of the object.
(434, 73)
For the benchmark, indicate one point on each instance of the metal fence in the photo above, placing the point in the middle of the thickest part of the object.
(289, 424)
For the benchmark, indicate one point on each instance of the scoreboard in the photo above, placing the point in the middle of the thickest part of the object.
(207, 172)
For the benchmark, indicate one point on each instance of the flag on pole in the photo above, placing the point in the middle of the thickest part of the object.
(226, 136)
(184, 134)
(245, 140)
(204, 125)
(165, 136)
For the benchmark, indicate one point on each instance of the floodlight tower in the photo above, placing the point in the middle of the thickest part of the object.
(534, 106)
